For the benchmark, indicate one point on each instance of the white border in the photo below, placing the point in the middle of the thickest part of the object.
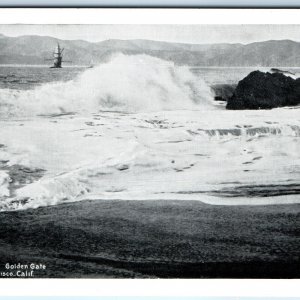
(148, 16)
(151, 288)
(116, 287)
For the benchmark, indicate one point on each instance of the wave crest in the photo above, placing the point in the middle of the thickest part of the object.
(135, 83)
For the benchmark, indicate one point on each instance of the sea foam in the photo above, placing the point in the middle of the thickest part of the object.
(125, 83)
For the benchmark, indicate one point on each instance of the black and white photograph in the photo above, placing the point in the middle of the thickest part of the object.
(149, 151)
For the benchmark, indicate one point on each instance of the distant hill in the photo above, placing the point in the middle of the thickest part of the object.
(33, 49)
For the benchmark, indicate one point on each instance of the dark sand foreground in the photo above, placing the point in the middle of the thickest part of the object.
(167, 239)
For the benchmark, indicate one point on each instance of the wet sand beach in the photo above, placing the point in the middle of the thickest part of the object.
(154, 239)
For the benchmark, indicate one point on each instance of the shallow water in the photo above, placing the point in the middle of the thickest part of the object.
(139, 128)
(28, 77)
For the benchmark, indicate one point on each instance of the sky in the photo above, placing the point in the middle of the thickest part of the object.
(197, 34)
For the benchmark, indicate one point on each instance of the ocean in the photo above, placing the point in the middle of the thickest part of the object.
(140, 128)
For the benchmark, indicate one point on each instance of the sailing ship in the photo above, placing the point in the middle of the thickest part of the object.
(57, 57)
(91, 65)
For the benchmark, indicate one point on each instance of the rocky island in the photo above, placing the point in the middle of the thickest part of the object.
(261, 90)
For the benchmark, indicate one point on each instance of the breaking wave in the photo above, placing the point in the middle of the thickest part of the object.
(286, 130)
(125, 83)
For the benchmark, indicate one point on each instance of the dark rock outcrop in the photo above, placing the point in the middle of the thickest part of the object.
(265, 91)
(284, 72)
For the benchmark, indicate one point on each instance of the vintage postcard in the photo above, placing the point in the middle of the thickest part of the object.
(133, 150)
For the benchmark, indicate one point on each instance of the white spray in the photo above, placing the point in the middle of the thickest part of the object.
(126, 83)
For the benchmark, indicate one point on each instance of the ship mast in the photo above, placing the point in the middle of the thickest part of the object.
(57, 54)
(58, 57)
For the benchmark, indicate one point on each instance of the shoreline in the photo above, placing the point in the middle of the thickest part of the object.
(153, 239)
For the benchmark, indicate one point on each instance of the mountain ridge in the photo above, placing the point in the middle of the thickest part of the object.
(34, 49)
